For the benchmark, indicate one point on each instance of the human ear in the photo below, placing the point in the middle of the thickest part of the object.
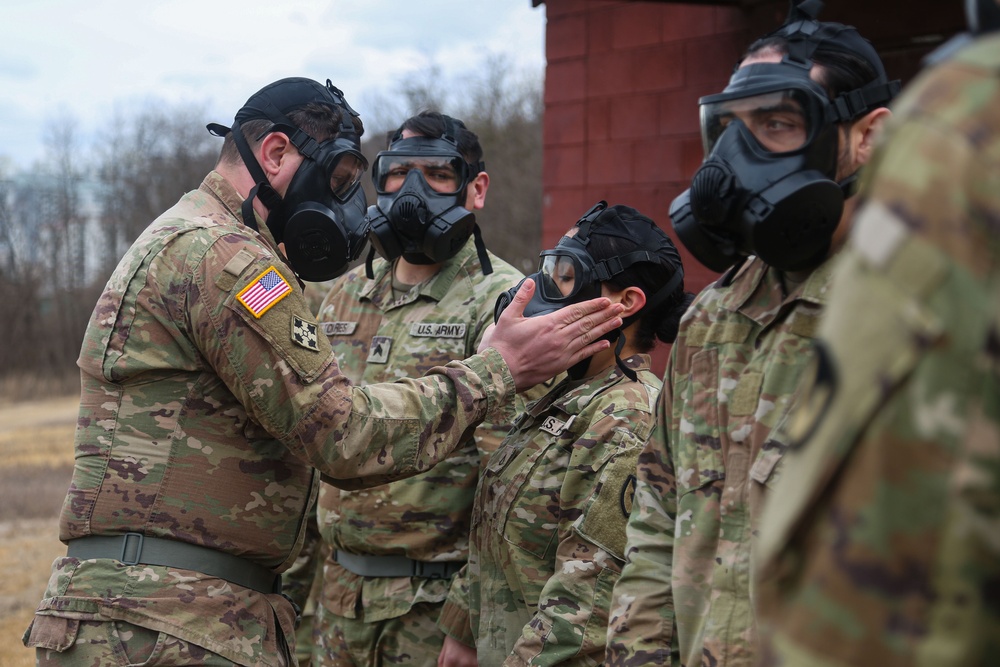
(273, 150)
(633, 299)
(475, 192)
(865, 134)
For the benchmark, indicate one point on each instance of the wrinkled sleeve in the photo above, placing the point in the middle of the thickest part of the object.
(454, 620)
(640, 628)
(293, 388)
(569, 625)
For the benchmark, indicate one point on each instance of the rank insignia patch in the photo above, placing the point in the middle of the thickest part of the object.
(304, 333)
(379, 351)
(266, 290)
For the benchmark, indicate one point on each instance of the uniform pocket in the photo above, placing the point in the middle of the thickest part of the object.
(522, 494)
(53, 633)
(698, 450)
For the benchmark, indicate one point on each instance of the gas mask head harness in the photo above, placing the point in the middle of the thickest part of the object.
(767, 186)
(420, 213)
(321, 217)
(568, 273)
(983, 16)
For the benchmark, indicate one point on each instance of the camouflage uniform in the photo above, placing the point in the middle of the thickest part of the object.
(378, 338)
(202, 423)
(703, 474)
(886, 549)
(548, 533)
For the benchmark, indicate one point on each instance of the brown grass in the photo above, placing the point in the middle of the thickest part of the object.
(36, 460)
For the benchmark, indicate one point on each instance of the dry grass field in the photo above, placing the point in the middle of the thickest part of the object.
(36, 461)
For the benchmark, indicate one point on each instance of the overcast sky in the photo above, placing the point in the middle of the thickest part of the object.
(84, 59)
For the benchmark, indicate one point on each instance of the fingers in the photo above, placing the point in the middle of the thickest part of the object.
(521, 299)
(570, 314)
(589, 328)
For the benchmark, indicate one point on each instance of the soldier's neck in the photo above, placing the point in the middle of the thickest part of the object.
(413, 274)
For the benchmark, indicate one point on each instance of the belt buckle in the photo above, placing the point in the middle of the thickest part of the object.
(427, 570)
(136, 544)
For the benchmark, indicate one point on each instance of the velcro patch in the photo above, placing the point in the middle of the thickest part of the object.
(437, 330)
(338, 328)
(378, 353)
(264, 291)
(304, 333)
(553, 426)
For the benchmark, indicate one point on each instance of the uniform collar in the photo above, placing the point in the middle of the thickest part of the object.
(379, 289)
(216, 185)
(757, 290)
(572, 396)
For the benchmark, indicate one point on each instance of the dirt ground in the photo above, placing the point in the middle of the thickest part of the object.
(36, 459)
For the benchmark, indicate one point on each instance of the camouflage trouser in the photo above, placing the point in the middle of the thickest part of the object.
(412, 639)
(111, 644)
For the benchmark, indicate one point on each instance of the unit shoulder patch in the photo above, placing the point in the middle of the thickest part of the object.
(305, 333)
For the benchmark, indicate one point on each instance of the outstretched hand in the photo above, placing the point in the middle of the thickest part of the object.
(538, 348)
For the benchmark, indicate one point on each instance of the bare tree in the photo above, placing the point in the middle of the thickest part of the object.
(144, 164)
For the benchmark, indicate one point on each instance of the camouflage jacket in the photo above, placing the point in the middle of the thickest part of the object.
(548, 533)
(378, 338)
(208, 397)
(704, 472)
(886, 547)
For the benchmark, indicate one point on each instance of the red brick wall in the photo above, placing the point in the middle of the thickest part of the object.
(621, 107)
(621, 92)
(623, 81)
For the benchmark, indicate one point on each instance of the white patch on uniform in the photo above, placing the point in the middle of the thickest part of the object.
(764, 408)
(574, 566)
(877, 233)
(938, 417)
(338, 328)
(726, 387)
(686, 516)
(684, 476)
(686, 426)
(741, 434)
(437, 330)
(522, 513)
(378, 353)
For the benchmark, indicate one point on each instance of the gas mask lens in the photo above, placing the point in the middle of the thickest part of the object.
(779, 122)
(561, 275)
(445, 174)
(346, 173)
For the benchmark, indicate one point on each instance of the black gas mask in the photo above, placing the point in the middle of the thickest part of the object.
(420, 213)
(321, 218)
(983, 16)
(567, 274)
(767, 186)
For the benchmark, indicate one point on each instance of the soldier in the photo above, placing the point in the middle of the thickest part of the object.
(886, 548)
(393, 550)
(783, 143)
(209, 401)
(548, 528)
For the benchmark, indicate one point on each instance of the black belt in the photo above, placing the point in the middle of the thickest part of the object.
(135, 549)
(395, 566)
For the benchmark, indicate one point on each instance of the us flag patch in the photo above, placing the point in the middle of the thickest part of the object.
(266, 290)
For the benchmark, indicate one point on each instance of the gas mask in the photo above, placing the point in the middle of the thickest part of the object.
(421, 184)
(568, 274)
(767, 185)
(321, 217)
(983, 16)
